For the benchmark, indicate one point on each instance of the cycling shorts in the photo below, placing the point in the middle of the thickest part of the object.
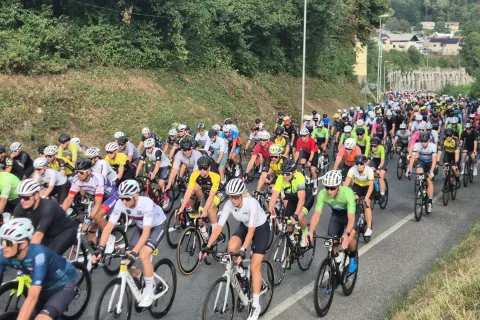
(338, 223)
(449, 157)
(306, 156)
(260, 237)
(54, 302)
(427, 166)
(360, 191)
(156, 236)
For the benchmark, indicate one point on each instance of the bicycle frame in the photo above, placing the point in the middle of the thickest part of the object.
(23, 281)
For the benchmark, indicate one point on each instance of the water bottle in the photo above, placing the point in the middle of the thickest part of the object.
(204, 233)
(377, 187)
(110, 246)
(292, 238)
(339, 260)
(221, 196)
(188, 208)
(240, 273)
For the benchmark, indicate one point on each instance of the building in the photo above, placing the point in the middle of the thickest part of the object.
(400, 42)
(428, 25)
(452, 26)
(360, 67)
(445, 46)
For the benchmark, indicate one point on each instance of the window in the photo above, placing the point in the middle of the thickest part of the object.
(393, 46)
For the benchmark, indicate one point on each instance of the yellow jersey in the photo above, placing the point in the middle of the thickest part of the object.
(62, 163)
(120, 160)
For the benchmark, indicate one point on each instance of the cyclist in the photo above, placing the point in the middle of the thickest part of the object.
(22, 164)
(280, 120)
(252, 230)
(201, 136)
(379, 130)
(41, 150)
(363, 184)
(299, 198)
(291, 132)
(8, 192)
(260, 151)
(389, 123)
(171, 141)
(99, 165)
(128, 149)
(347, 153)
(182, 133)
(376, 157)
(343, 221)
(76, 140)
(362, 139)
(402, 137)
(53, 228)
(218, 147)
(234, 144)
(347, 133)
(455, 126)
(151, 227)
(426, 153)
(228, 121)
(146, 134)
(309, 156)
(119, 162)
(253, 137)
(53, 278)
(451, 148)
(55, 183)
(415, 125)
(187, 158)
(5, 161)
(62, 165)
(66, 145)
(321, 136)
(468, 142)
(272, 167)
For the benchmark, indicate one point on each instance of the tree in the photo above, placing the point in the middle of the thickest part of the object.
(471, 52)
(414, 55)
(401, 25)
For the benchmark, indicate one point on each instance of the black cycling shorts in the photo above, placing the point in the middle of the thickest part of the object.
(156, 236)
(54, 303)
(62, 241)
(360, 191)
(260, 237)
(449, 157)
(338, 223)
(306, 156)
(61, 191)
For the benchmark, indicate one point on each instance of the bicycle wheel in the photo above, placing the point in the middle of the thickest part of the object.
(266, 290)
(279, 256)
(112, 261)
(221, 244)
(188, 250)
(171, 199)
(166, 271)
(71, 255)
(174, 230)
(454, 188)
(383, 205)
(349, 279)
(446, 190)
(465, 174)
(306, 255)
(273, 231)
(324, 288)
(470, 172)
(390, 148)
(83, 291)
(10, 315)
(418, 209)
(400, 168)
(11, 302)
(107, 302)
(220, 302)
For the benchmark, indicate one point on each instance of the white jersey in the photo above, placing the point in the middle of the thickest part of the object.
(425, 154)
(145, 213)
(416, 125)
(220, 145)
(156, 155)
(250, 214)
(202, 139)
(104, 168)
(366, 175)
(51, 177)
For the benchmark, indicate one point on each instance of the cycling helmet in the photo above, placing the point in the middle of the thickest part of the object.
(212, 133)
(40, 163)
(336, 116)
(227, 121)
(359, 123)
(347, 129)
(428, 126)
(325, 115)
(201, 126)
(118, 134)
(203, 162)
(424, 136)
(14, 147)
(83, 164)
(350, 143)
(75, 140)
(360, 131)
(434, 114)
(360, 111)
(308, 118)
(17, 229)
(389, 113)
(40, 149)
(287, 121)
(281, 114)
(172, 132)
(227, 128)
(64, 138)
(448, 132)
(453, 120)
(186, 143)
(468, 125)
(332, 178)
(403, 126)
(51, 150)
(216, 127)
(122, 140)
(235, 187)
(28, 187)
(304, 132)
(145, 131)
(111, 146)
(92, 152)
(264, 135)
(471, 116)
(455, 112)
(422, 126)
(150, 142)
(360, 158)
(375, 141)
(320, 124)
(181, 127)
(418, 117)
(379, 111)
(275, 149)
(279, 131)
(195, 144)
(128, 189)
(2, 149)
(288, 165)
(339, 110)
(257, 121)
(379, 120)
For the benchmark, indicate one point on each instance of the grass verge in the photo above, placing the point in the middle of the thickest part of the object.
(451, 289)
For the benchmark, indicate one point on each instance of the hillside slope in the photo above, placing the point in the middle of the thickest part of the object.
(93, 104)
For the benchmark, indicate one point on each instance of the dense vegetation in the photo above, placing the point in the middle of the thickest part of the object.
(249, 36)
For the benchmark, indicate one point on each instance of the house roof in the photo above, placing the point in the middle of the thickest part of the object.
(445, 40)
(403, 37)
(452, 23)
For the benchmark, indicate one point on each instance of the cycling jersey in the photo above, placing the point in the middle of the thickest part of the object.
(97, 185)
(276, 167)
(219, 145)
(5, 162)
(189, 162)
(120, 161)
(171, 141)
(156, 155)
(258, 149)
(379, 130)
(416, 125)
(348, 159)
(343, 202)
(416, 137)
(449, 146)
(379, 153)
(468, 140)
(308, 146)
(51, 177)
(22, 165)
(364, 142)
(131, 151)
(457, 129)
(232, 138)
(250, 214)
(158, 142)
(74, 149)
(145, 213)
(254, 137)
(46, 268)
(320, 133)
(363, 178)
(282, 142)
(60, 164)
(202, 138)
(290, 188)
(344, 136)
(210, 183)
(8, 185)
(104, 168)
(326, 122)
(388, 123)
(403, 136)
(425, 154)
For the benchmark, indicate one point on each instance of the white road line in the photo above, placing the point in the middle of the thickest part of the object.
(286, 304)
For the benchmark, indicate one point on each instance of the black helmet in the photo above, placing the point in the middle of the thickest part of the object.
(281, 114)
(325, 115)
(434, 114)
(379, 120)
(195, 144)
(83, 164)
(314, 112)
(360, 158)
(375, 141)
(424, 136)
(201, 126)
(64, 138)
(448, 132)
(203, 162)
(228, 121)
(41, 148)
(212, 133)
(186, 143)
(288, 165)
(2, 149)
(279, 131)
(360, 131)
(122, 140)
(257, 121)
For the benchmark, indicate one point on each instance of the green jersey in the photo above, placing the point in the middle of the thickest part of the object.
(317, 133)
(343, 202)
(8, 185)
(379, 153)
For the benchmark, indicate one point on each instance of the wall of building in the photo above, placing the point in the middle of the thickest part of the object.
(360, 68)
(432, 79)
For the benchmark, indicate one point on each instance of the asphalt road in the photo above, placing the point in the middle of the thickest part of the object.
(400, 253)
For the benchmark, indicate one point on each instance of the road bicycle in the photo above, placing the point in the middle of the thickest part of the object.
(468, 170)
(376, 192)
(154, 192)
(229, 293)
(116, 302)
(332, 272)
(264, 199)
(286, 250)
(323, 163)
(362, 222)
(421, 196)
(231, 171)
(450, 184)
(14, 293)
(402, 164)
(389, 149)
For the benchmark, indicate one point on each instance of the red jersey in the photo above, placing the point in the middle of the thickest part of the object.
(309, 146)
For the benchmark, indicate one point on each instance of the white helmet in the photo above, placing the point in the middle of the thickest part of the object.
(118, 134)
(347, 129)
(428, 126)
(28, 187)
(418, 117)
(358, 108)
(403, 126)
(75, 140)
(128, 189)
(40, 163)
(17, 229)
(227, 128)
(264, 135)
(182, 127)
(50, 150)
(339, 110)
(304, 132)
(111, 146)
(320, 124)
(350, 143)
(332, 178)
(416, 107)
(14, 147)
(371, 114)
(150, 142)
(309, 118)
(389, 112)
(345, 110)
(352, 108)
(216, 127)
(92, 152)
(359, 123)
(235, 187)
(452, 120)
(145, 130)
(172, 132)
(422, 126)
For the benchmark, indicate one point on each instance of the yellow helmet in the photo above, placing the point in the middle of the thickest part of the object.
(336, 116)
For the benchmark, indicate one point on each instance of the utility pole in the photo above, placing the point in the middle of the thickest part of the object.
(379, 62)
(304, 51)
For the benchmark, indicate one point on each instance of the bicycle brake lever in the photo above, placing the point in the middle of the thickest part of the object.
(207, 262)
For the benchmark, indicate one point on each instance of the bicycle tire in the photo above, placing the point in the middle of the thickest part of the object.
(171, 198)
(174, 231)
(329, 288)
(100, 303)
(273, 224)
(400, 168)
(10, 315)
(108, 268)
(383, 205)
(418, 204)
(465, 174)
(190, 243)
(305, 265)
(446, 190)
(454, 188)
(230, 307)
(84, 278)
(228, 235)
(266, 270)
(7, 300)
(470, 172)
(347, 290)
(159, 288)
(279, 256)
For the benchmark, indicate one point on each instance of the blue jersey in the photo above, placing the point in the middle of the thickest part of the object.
(46, 268)
(158, 142)
(326, 122)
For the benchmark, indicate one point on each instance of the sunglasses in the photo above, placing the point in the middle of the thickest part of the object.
(359, 134)
(287, 174)
(304, 136)
(331, 188)
(186, 150)
(274, 157)
(126, 199)
(49, 156)
(121, 144)
(235, 197)
(9, 243)
(359, 163)
(348, 149)
(110, 152)
(203, 168)
(25, 198)
(201, 130)
(181, 130)
(40, 169)
(374, 146)
(263, 140)
(82, 172)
